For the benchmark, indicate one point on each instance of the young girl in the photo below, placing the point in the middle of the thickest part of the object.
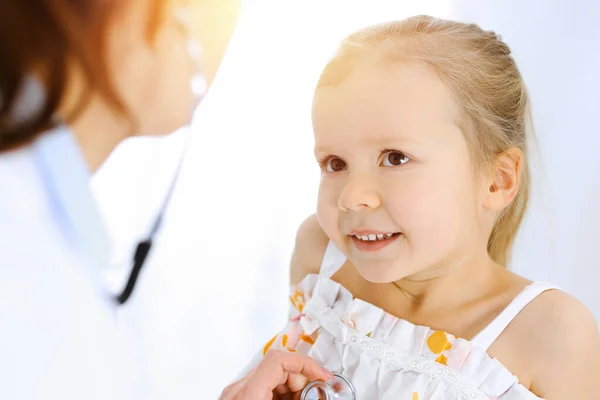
(400, 279)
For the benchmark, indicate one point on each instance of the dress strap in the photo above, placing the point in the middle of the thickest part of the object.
(333, 259)
(489, 334)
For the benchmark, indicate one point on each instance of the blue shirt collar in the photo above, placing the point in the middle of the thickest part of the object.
(66, 178)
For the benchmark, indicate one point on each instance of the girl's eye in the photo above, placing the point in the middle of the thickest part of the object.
(394, 158)
(335, 165)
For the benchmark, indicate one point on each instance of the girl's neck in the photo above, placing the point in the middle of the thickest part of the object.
(453, 284)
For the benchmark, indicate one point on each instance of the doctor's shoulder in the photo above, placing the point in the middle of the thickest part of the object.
(309, 249)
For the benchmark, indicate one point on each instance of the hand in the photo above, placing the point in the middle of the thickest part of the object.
(278, 376)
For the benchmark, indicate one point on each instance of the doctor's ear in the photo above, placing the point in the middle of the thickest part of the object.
(503, 180)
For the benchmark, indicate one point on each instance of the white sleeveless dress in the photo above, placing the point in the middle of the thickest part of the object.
(389, 358)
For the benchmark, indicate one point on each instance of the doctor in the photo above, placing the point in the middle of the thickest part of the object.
(76, 78)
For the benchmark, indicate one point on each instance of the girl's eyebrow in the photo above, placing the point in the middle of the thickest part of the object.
(379, 141)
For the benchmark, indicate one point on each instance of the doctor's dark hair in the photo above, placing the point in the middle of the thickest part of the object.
(47, 38)
(479, 69)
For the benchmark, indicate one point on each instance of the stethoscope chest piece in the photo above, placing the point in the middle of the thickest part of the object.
(338, 388)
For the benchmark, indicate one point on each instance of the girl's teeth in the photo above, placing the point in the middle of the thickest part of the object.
(374, 237)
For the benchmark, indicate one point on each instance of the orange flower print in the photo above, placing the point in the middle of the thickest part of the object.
(308, 339)
(284, 343)
(297, 300)
(289, 340)
(415, 396)
(438, 343)
(268, 345)
(284, 340)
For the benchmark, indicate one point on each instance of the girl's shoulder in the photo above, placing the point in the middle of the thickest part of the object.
(556, 339)
(310, 246)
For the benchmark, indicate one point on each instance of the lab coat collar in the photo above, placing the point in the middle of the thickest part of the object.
(66, 177)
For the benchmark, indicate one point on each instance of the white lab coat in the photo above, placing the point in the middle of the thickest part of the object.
(59, 337)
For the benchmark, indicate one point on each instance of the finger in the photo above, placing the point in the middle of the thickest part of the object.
(297, 382)
(274, 369)
(295, 363)
(230, 391)
(281, 390)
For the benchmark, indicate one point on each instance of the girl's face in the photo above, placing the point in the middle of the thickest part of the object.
(399, 194)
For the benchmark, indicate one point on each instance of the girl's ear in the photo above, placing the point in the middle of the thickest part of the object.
(504, 179)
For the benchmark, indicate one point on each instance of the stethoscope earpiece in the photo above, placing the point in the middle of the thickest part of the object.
(338, 388)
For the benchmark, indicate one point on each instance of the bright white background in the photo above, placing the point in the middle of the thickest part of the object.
(215, 287)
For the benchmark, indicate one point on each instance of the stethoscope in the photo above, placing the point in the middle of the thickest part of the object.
(198, 87)
(338, 388)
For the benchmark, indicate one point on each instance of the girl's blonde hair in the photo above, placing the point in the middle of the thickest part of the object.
(479, 69)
